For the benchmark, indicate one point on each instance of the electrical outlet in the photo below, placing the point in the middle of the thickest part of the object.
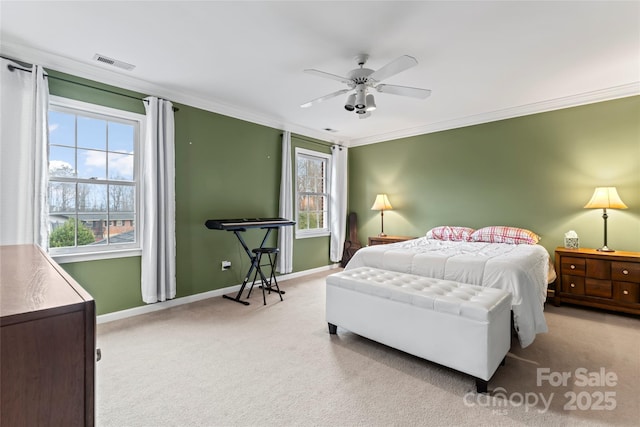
(226, 265)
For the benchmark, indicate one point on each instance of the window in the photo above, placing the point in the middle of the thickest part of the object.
(312, 193)
(93, 178)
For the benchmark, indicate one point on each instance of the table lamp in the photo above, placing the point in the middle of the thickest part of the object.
(381, 204)
(605, 198)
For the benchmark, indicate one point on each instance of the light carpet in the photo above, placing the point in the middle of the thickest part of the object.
(219, 363)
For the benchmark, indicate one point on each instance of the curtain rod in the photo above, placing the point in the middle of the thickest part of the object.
(313, 141)
(15, 67)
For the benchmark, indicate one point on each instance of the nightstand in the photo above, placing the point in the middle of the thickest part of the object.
(607, 280)
(378, 240)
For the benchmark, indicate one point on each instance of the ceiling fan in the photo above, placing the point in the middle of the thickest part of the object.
(362, 80)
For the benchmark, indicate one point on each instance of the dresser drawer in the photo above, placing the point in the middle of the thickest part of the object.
(573, 266)
(626, 292)
(599, 269)
(573, 284)
(625, 271)
(598, 288)
(598, 279)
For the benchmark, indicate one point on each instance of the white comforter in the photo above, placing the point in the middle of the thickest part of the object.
(519, 269)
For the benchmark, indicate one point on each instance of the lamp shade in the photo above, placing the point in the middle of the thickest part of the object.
(605, 198)
(381, 203)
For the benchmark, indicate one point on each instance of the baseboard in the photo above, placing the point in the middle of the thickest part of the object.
(150, 308)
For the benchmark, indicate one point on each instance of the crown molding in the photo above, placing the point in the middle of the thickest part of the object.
(118, 79)
(622, 91)
(102, 75)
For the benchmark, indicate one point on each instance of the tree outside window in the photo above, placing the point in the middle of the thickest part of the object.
(312, 196)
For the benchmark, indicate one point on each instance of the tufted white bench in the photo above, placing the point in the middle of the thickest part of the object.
(461, 326)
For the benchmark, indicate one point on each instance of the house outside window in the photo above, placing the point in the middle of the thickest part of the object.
(93, 179)
(312, 193)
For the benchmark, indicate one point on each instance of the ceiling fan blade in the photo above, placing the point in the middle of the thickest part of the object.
(413, 92)
(327, 75)
(394, 67)
(324, 98)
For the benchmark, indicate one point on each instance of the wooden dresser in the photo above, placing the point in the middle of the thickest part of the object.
(47, 324)
(608, 280)
(384, 240)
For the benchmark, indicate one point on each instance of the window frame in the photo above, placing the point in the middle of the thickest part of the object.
(114, 250)
(318, 232)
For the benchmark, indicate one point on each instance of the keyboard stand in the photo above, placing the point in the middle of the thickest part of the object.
(239, 225)
(254, 260)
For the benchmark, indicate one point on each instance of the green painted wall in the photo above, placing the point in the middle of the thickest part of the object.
(536, 172)
(224, 168)
(113, 283)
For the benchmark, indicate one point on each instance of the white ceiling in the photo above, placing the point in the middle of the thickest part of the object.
(483, 60)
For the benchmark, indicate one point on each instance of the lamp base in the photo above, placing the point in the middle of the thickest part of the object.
(382, 235)
(605, 249)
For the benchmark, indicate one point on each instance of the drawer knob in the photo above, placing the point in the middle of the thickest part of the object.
(573, 285)
(625, 271)
(573, 267)
(625, 292)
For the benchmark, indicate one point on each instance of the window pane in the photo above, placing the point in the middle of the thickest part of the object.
(312, 220)
(122, 198)
(92, 133)
(303, 221)
(91, 228)
(121, 166)
(301, 167)
(303, 203)
(121, 137)
(92, 198)
(62, 128)
(92, 213)
(313, 203)
(316, 168)
(62, 200)
(122, 229)
(62, 161)
(63, 232)
(92, 164)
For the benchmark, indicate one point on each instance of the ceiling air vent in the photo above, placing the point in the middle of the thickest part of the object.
(110, 61)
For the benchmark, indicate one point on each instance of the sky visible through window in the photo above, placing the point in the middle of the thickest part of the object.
(101, 146)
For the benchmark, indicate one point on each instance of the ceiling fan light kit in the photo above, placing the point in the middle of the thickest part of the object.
(371, 103)
(361, 80)
(360, 97)
(351, 100)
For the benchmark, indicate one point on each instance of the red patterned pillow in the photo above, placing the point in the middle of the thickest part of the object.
(448, 232)
(504, 234)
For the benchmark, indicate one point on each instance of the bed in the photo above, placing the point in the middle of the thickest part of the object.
(522, 269)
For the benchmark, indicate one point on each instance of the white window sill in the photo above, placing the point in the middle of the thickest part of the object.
(313, 234)
(95, 256)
